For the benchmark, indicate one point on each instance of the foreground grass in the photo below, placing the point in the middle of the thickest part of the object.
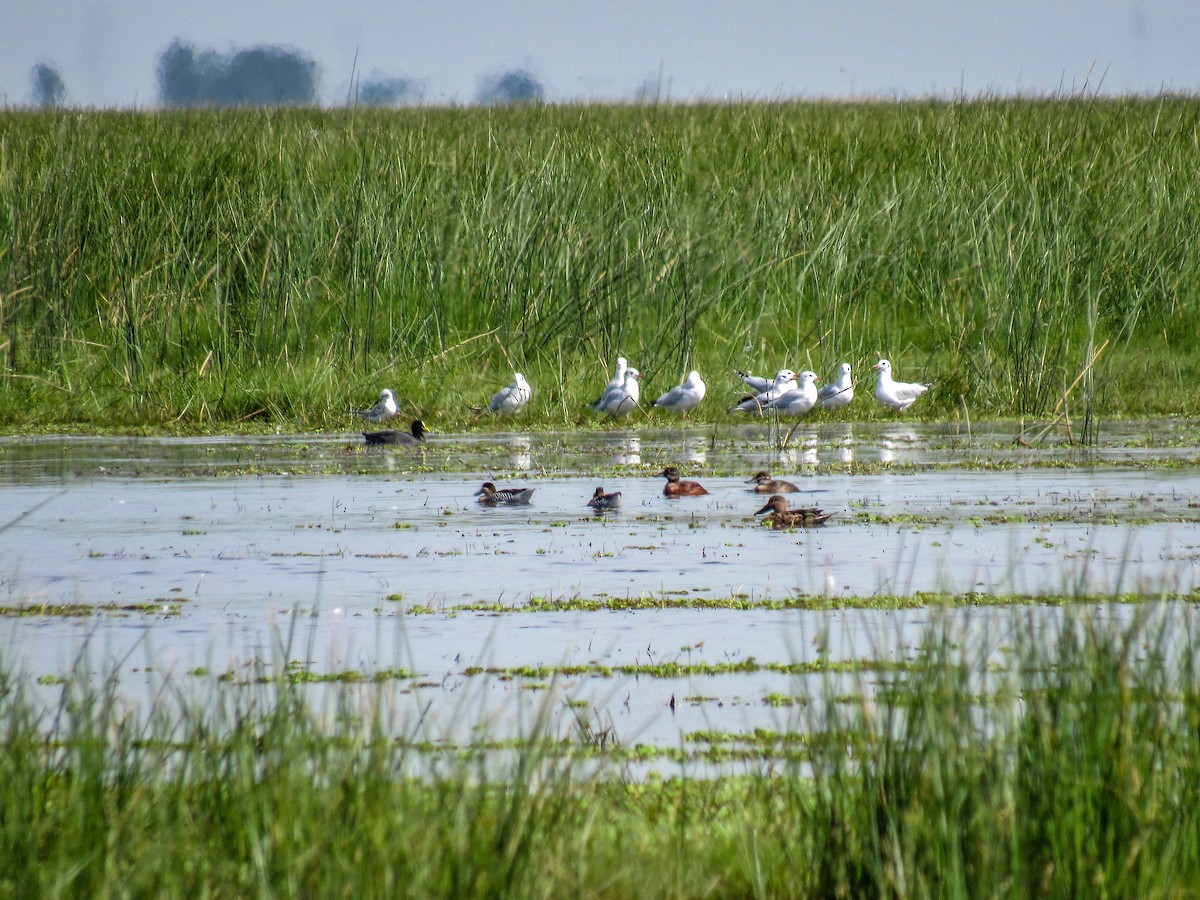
(1069, 769)
(201, 270)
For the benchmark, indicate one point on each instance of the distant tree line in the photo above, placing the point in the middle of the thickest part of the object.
(260, 76)
(49, 90)
(269, 75)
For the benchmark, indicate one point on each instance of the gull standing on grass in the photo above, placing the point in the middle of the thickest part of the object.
(620, 400)
(838, 394)
(617, 380)
(799, 401)
(756, 383)
(897, 395)
(686, 397)
(785, 380)
(513, 397)
(381, 411)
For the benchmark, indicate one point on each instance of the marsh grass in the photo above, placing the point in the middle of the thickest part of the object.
(1056, 757)
(207, 269)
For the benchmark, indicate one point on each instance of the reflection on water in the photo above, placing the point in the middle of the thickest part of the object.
(628, 451)
(843, 437)
(895, 438)
(203, 571)
(522, 452)
(786, 457)
(695, 450)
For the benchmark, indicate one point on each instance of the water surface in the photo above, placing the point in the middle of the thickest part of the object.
(236, 556)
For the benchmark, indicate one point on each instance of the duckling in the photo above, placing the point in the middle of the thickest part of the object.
(765, 484)
(602, 502)
(410, 438)
(489, 496)
(781, 517)
(676, 488)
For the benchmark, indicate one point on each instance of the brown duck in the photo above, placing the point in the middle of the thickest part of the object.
(781, 517)
(765, 484)
(676, 488)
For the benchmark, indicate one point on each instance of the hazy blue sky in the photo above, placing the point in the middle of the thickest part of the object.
(107, 51)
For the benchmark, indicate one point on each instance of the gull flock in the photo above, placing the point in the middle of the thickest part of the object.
(788, 394)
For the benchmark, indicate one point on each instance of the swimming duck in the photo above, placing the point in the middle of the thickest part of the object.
(513, 397)
(765, 484)
(489, 496)
(897, 395)
(381, 411)
(781, 517)
(799, 400)
(601, 501)
(676, 488)
(785, 380)
(686, 397)
(839, 393)
(409, 438)
(617, 401)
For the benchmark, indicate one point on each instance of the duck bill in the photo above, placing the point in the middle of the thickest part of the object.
(766, 509)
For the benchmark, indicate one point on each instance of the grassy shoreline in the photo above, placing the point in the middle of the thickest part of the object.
(203, 270)
(1032, 760)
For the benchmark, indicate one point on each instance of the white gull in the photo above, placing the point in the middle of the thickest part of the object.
(617, 380)
(897, 395)
(617, 401)
(799, 401)
(686, 397)
(838, 394)
(381, 411)
(785, 380)
(513, 397)
(756, 383)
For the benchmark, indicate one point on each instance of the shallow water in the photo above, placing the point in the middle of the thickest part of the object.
(209, 553)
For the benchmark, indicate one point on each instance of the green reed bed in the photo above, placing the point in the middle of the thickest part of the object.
(1060, 759)
(201, 269)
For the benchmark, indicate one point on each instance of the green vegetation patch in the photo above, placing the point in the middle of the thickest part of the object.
(172, 606)
(683, 600)
(1073, 766)
(193, 270)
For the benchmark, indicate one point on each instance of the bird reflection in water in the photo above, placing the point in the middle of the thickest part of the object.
(628, 451)
(522, 452)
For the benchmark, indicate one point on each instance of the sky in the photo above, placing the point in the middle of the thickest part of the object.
(107, 51)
